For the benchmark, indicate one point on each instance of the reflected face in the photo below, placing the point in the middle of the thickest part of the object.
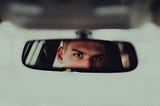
(82, 54)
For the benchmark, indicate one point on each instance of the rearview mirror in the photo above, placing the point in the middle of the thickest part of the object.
(80, 55)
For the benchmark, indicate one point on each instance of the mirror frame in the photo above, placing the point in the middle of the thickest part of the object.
(91, 70)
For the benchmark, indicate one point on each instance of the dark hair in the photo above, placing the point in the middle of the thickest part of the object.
(65, 43)
(114, 56)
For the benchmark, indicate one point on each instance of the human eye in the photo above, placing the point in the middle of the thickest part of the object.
(78, 55)
(97, 58)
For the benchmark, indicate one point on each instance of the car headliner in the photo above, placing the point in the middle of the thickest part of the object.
(23, 86)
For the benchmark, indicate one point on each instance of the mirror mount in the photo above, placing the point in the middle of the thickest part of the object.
(84, 34)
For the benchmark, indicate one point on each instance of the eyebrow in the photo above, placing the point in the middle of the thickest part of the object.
(76, 50)
(99, 55)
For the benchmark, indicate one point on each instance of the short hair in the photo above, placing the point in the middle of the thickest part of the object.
(65, 44)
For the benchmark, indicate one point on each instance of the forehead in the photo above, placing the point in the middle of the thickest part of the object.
(89, 45)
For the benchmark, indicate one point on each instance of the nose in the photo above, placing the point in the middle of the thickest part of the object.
(87, 64)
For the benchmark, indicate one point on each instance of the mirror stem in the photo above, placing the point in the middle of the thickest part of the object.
(84, 34)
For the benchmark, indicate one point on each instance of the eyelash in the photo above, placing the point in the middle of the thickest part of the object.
(80, 55)
(98, 58)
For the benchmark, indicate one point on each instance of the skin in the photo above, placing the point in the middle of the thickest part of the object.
(82, 54)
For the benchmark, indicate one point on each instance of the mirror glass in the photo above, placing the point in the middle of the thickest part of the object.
(75, 55)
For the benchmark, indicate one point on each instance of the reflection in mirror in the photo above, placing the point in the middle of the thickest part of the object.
(80, 55)
(128, 55)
